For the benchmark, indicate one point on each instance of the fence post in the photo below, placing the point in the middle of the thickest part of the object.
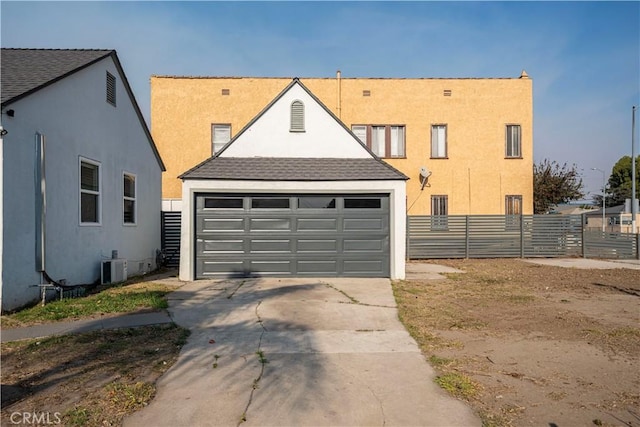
(521, 236)
(466, 234)
(638, 246)
(584, 242)
(408, 255)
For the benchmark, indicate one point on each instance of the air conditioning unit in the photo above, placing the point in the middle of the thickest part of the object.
(113, 271)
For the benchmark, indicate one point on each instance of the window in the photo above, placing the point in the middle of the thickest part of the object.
(513, 141)
(269, 203)
(316, 202)
(439, 212)
(513, 205)
(111, 89)
(360, 132)
(383, 140)
(89, 192)
(297, 116)
(220, 135)
(129, 198)
(223, 203)
(438, 141)
(362, 203)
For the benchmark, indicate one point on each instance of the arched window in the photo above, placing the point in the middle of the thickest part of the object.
(297, 116)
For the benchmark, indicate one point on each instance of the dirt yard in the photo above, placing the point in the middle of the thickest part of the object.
(91, 379)
(541, 346)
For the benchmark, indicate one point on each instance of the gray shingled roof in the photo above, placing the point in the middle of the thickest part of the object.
(293, 169)
(25, 71)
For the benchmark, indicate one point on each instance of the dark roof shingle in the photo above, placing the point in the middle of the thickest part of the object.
(25, 71)
(293, 169)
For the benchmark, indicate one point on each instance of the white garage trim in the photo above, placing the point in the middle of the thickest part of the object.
(397, 201)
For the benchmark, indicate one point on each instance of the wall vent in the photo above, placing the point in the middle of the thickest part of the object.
(113, 271)
(226, 92)
(447, 92)
(111, 89)
(366, 93)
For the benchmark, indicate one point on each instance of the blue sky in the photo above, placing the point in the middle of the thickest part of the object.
(584, 57)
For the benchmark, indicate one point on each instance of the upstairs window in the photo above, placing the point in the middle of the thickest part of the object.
(111, 89)
(220, 135)
(89, 192)
(384, 140)
(438, 141)
(129, 199)
(513, 143)
(297, 116)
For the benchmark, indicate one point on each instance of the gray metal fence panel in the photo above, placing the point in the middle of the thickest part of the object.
(171, 238)
(500, 236)
(610, 245)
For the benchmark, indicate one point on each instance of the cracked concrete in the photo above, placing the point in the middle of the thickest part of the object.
(336, 354)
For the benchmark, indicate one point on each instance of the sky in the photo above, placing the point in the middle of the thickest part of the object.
(583, 57)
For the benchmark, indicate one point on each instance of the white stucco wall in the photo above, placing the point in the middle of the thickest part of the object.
(270, 135)
(76, 121)
(397, 207)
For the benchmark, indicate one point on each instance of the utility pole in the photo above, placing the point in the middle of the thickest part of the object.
(634, 211)
(604, 194)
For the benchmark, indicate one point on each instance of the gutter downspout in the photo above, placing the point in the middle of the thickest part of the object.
(339, 80)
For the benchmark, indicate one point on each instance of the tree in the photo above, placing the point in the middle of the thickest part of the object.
(620, 183)
(554, 184)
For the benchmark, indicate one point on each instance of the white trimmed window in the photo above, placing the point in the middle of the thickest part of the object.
(384, 140)
(297, 116)
(513, 142)
(129, 210)
(220, 135)
(438, 141)
(90, 197)
(513, 205)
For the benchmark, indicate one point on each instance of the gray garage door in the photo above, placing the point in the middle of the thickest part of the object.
(300, 235)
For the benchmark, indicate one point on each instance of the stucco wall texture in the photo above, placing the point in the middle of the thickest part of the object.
(476, 176)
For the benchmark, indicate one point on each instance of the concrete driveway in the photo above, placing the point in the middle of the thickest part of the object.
(296, 352)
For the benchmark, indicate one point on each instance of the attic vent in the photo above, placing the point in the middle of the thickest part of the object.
(366, 93)
(226, 91)
(447, 92)
(297, 116)
(111, 89)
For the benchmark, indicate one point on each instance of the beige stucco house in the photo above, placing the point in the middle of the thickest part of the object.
(471, 137)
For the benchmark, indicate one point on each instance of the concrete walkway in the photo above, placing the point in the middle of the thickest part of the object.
(79, 326)
(587, 263)
(296, 352)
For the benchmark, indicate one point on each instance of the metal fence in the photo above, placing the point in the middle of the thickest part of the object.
(171, 238)
(517, 236)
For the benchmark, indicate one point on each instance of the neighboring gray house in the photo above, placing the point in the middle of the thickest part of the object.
(80, 173)
(295, 193)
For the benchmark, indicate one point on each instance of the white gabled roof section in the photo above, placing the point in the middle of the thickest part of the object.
(270, 135)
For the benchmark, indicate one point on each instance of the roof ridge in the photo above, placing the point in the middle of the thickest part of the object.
(58, 49)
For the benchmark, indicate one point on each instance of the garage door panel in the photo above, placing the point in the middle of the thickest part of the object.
(221, 246)
(363, 267)
(272, 267)
(317, 224)
(270, 224)
(362, 245)
(216, 268)
(221, 224)
(271, 246)
(317, 245)
(364, 224)
(317, 267)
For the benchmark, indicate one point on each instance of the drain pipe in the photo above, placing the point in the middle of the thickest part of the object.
(41, 211)
(339, 80)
